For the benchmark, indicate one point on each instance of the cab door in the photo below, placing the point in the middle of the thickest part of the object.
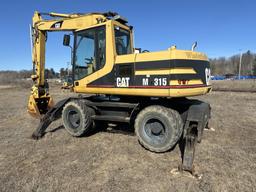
(124, 63)
(90, 52)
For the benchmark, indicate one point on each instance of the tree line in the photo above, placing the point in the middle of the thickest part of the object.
(219, 66)
(230, 65)
(24, 74)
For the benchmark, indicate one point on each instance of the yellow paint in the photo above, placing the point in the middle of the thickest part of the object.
(124, 59)
(153, 56)
(180, 70)
(152, 72)
(188, 82)
(32, 107)
(171, 71)
(188, 92)
(147, 92)
(189, 55)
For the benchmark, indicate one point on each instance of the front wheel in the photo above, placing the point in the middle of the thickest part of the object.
(158, 128)
(76, 118)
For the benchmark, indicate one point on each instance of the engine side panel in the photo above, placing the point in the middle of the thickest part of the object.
(164, 74)
(155, 74)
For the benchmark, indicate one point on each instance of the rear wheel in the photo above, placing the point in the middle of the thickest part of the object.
(158, 128)
(76, 118)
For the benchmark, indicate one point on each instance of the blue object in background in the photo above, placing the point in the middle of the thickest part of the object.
(221, 77)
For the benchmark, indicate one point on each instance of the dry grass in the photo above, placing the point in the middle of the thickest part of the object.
(114, 161)
(235, 85)
(7, 80)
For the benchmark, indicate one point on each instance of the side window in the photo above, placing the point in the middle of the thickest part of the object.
(123, 41)
(90, 52)
(101, 48)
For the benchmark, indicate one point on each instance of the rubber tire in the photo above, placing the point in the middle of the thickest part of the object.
(172, 122)
(86, 123)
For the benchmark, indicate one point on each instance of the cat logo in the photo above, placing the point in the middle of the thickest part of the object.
(122, 81)
(57, 25)
(207, 75)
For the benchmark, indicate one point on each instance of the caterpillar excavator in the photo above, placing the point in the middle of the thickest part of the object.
(118, 83)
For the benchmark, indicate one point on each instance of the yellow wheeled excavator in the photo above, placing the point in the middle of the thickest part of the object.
(146, 89)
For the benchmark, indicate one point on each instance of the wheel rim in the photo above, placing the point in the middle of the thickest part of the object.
(73, 118)
(155, 131)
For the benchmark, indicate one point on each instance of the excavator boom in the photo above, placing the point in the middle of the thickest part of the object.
(40, 100)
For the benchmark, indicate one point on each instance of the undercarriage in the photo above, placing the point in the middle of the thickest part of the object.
(160, 123)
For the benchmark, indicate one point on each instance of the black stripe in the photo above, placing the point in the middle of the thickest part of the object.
(147, 65)
(198, 65)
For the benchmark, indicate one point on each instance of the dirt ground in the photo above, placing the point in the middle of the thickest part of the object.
(113, 160)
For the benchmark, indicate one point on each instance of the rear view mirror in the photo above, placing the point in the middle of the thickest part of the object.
(66, 40)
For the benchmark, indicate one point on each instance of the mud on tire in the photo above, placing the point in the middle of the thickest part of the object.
(158, 128)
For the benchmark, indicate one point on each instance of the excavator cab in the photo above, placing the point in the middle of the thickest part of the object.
(95, 50)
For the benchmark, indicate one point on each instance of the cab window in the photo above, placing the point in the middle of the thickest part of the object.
(122, 41)
(90, 51)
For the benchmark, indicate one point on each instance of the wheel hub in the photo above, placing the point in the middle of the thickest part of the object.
(74, 118)
(155, 130)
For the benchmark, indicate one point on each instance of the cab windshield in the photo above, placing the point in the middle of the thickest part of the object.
(89, 51)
